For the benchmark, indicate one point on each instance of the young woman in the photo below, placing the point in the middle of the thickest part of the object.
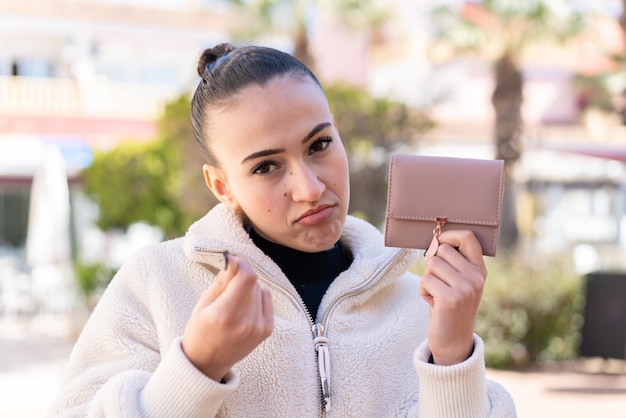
(277, 303)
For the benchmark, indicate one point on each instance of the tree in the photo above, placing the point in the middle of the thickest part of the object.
(604, 90)
(294, 18)
(371, 129)
(190, 190)
(159, 183)
(132, 183)
(622, 23)
(622, 20)
(501, 30)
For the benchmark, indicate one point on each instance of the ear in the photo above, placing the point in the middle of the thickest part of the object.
(216, 181)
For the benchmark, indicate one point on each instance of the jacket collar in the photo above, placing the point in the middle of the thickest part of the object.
(222, 230)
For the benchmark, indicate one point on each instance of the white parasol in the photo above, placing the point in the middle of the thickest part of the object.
(48, 236)
(48, 241)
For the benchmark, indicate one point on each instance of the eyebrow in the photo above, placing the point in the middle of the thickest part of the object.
(264, 153)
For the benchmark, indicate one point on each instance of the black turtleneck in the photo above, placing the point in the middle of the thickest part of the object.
(310, 273)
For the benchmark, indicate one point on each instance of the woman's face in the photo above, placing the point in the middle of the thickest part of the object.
(282, 163)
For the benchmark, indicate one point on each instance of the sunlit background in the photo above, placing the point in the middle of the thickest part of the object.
(97, 158)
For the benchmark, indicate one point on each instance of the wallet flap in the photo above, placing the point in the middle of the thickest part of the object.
(468, 191)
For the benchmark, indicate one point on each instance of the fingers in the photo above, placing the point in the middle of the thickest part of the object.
(425, 293)
(451, 292)
(243, 303)
(432, 248)
(268, 310)
(235, 314)
(452, 274)
(461, 250)
(465, 242)
(452, 286)
(243, 283)
(221, 281)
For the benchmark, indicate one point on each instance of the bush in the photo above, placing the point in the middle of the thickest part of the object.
(133, 183)
(92, 278)
(531, 312)
(371, 129)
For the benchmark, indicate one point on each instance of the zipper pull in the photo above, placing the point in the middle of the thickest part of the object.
(218, 258)
(323, 360)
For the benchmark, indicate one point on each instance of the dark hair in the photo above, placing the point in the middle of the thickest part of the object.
(225, 71)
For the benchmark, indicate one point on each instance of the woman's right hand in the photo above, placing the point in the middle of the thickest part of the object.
(232, 317)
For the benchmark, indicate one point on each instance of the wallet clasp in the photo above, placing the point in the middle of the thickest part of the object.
(440, 223)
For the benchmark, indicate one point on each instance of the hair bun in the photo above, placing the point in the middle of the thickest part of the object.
(210, 55)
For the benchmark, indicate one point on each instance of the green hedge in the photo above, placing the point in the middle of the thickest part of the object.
(532, 311)
(92, 277)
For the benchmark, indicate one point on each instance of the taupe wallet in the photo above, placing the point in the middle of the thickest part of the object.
(429, 194)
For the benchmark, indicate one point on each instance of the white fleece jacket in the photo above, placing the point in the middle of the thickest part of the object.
(128, 361)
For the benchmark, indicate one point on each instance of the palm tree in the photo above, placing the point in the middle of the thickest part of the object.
(622, 18)
(294, 18)
(370, 127)
(622, 23)
(502, 30)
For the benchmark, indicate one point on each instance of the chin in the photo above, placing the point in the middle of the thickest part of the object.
(325, 242)
(316, 248)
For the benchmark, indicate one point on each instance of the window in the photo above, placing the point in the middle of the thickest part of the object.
(5, 66)
(31, 67)
(14, 204)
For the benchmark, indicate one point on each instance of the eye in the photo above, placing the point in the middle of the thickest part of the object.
(320, 144)
(264, 168)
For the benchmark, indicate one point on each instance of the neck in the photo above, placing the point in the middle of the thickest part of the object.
(310, 273)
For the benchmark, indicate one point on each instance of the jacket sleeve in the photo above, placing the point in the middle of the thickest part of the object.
(117, 367)
(461, 389)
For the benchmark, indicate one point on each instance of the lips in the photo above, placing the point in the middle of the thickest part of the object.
(316, 216)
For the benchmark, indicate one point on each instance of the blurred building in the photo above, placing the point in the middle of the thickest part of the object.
(572, 177)
(84, 74)
(80, 75)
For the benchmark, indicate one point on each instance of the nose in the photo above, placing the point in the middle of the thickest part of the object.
(306, 185)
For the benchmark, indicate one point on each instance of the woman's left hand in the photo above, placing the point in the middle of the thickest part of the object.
(452, 285)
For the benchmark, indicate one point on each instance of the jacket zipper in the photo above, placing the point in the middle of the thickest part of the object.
(319, 329)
